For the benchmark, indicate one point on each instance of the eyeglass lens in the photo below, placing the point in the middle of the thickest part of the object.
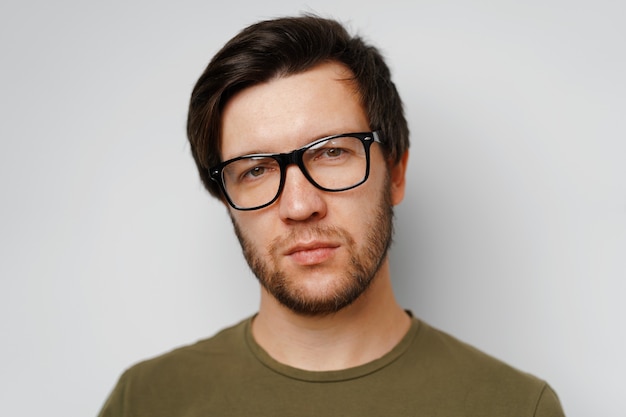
(334, 164)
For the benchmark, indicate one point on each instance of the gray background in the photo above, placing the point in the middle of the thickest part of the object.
(512, 235)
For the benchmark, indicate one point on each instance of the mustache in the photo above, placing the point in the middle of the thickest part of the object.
(310, 233)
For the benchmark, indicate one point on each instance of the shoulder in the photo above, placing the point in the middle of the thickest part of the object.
(228, 342)
(477, 377)
(458, 356)
(178, 379)
(202, 362)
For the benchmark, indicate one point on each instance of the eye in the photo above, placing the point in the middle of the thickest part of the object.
(255, 172)
(333, 152)
(259, 170)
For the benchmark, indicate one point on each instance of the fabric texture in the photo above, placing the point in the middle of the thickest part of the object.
(429, 373)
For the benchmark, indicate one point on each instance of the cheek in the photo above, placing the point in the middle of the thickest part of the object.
(253, 227)
(356, 210)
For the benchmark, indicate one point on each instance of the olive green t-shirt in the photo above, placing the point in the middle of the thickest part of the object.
(429, 373)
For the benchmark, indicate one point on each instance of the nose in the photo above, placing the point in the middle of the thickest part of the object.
(300, 200)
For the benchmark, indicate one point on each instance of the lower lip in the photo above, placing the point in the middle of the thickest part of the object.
(312, 256)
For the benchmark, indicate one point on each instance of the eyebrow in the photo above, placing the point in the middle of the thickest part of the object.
(256, 151)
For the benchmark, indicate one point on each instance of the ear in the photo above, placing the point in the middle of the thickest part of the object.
(398, 178)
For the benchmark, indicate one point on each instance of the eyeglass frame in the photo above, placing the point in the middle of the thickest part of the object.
(295, 158)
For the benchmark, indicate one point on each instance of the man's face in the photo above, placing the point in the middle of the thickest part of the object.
(313, 251)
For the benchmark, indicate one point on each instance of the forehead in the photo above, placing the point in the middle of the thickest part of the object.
(288, 112)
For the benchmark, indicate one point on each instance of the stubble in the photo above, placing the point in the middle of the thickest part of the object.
(364, 262)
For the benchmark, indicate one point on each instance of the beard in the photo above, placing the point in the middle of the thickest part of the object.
(349, 285)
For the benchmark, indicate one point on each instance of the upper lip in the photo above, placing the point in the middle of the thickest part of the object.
(310, 246)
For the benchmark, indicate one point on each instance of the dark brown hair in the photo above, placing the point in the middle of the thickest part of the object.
(282, 47)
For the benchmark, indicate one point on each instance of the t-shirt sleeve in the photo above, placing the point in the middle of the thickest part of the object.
(549, 404)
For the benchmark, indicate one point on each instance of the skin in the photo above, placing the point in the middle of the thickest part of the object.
(310, 238)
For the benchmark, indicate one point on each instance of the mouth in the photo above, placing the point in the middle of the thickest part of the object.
(313, 253)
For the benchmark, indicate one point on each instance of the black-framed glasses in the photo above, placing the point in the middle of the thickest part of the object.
(334, 163)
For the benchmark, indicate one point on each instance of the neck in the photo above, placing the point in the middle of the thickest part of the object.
(360, 333)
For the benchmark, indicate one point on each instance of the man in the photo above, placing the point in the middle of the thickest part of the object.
(298, 129)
